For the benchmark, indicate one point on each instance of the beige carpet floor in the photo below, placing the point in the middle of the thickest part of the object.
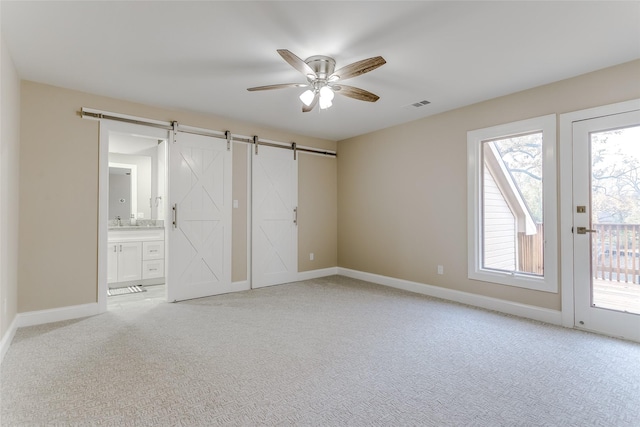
(326, 352)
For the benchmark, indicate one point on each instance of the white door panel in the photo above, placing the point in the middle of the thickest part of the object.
(200, 240)
(606, 153)
(274, 218)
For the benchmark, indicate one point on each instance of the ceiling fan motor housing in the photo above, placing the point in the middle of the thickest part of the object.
(322, 65)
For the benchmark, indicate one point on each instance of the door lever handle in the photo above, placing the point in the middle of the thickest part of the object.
(585, 230)
(295, 216)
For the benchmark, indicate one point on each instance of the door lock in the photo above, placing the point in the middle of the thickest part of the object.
(585, 230)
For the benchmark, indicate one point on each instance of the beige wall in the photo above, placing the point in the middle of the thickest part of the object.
(239, 217)
(59, 200)
(9, 188)
(317, 212)
(402, 191)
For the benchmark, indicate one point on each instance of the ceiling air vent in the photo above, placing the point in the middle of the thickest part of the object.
(416, 105)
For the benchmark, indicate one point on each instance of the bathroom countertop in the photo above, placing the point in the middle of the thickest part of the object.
(135, 233)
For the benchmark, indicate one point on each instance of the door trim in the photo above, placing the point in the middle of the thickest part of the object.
(566, 196)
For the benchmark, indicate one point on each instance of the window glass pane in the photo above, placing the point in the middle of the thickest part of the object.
(512, 219)
(615, 215)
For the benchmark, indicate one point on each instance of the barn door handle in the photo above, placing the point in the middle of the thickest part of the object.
(295, 216)
(175, 215)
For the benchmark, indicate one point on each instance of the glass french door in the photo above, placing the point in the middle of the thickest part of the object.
(606, 220)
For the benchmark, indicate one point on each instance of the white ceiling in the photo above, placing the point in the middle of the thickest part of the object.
(201, 56)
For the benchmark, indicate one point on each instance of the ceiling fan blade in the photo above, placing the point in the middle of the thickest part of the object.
(358, 68)
(278, 86)
(306, 109)
(296, 62)
(355, 93)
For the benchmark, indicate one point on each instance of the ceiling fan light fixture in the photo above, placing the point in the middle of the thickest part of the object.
(326, 96)
(326, 93)
(307, 97)
(324, 104)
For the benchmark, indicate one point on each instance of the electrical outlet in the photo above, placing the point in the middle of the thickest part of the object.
(311, 256)
(440, 269)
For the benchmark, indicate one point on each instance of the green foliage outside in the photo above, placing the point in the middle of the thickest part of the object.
(616, 176)
(522, 156)
(615, 173)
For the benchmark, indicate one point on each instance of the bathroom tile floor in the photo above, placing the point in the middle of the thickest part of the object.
(155, 294)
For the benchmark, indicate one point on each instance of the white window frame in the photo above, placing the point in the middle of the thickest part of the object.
(549, 281)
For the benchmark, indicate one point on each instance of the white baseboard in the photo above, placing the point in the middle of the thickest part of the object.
(5, 343)
(40, 317)
(77, 311)
(522, 310)
(242, 285)
(314, 274)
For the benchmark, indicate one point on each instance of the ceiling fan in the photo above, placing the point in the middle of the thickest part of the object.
(322, 79)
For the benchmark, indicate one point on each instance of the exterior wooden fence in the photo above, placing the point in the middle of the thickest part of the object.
(615, 252)
(530, 251)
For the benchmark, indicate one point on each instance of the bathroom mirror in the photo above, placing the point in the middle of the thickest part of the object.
(122, 191)
(144, 158)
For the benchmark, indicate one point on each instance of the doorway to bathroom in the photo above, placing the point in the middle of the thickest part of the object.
(132, 215)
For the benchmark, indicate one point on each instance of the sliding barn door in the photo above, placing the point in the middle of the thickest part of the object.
(274, 218)
(199, 237)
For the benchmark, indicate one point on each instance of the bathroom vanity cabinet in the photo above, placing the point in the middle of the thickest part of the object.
(124, 262)
(153, 259)
(135, 254)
